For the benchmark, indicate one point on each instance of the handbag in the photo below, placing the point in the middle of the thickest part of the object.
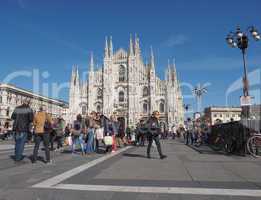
(76, 133)
(77, 129)
(47, 125)
(69, 141)
(133, 138)
(108, 140)
(99, 133)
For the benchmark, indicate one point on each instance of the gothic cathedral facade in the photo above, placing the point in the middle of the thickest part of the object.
(127, 87)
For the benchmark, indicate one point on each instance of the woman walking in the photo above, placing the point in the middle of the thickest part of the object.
(91, 121)
(59, 129)
(78, 133)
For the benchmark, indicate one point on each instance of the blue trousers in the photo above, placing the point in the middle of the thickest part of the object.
(20, 139)
(89, 146)
(78, 140)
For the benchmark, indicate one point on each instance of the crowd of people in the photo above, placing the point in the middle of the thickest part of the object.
(86, 135)
(196, 133)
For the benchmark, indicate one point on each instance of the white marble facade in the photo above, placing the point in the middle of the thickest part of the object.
(12, 96)
(124, 85)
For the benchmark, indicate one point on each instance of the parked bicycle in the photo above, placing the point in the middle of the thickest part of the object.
(254, 144)
(202, 140)
(221, 143)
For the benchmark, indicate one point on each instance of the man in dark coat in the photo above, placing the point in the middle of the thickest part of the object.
(23, 117)
(153, 133)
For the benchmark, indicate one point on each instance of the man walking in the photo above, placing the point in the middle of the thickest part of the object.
(23, 117)
(189, 132)
(153, 133)
(42, 124)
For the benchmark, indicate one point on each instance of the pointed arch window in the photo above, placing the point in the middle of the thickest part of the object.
(121, 96)
(122, 74)
(145, 92)
(99, 93)
(145, 108)
(161, 107)
(84, 110)
(7, 111)
(98, 108)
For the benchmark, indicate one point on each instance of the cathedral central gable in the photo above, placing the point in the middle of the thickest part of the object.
(120, 54)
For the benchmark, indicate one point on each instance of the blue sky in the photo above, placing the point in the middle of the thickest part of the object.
(53, 35)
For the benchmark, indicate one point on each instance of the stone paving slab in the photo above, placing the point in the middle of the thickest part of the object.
(183, 167)
(211, 172)
(16, 182)
(4, 147)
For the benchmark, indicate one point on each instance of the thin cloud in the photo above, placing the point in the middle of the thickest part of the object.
(218, 64)
(176, 40)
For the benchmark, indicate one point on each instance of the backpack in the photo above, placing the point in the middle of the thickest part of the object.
(47, 125)
(153, 127)
(77, 128)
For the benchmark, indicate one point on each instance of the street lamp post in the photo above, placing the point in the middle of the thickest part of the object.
(239, 39)
(198, 91)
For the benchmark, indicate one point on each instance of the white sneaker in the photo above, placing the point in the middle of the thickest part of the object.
(50, 162)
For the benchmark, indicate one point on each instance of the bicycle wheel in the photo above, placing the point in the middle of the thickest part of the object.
(218, 145)
(254, 145)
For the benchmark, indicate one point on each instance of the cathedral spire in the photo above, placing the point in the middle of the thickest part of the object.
(91, 63)
(174, 64)
(77, 75)
(174, 69)
(111, 48)
(137, 46)
(169, 66)
(106, 49)
(169, 71)
(73, 74)
(152, 64)
(131, 46)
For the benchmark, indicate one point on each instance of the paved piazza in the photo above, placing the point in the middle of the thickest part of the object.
(128, 174)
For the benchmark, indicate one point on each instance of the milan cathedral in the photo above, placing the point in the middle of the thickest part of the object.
(127, 87)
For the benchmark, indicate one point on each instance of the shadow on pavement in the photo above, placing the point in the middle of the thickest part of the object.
(134, 155)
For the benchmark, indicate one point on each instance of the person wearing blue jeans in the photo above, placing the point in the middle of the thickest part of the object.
(22, 119)
(20, 139)
(90, 140)
(78, 140)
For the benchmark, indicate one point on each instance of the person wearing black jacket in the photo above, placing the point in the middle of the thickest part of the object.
(23, 117)
(153, 133)
(141, 132)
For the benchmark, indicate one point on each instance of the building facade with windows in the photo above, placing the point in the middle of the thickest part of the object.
(127, 87)
(11, 97)
(222, 114)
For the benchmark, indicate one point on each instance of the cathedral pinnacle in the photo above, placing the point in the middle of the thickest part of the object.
(137, 46)
(151, 58)
(174, 67)
(106, 49)
(111, 48)
(91, 63)
(131, 46)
